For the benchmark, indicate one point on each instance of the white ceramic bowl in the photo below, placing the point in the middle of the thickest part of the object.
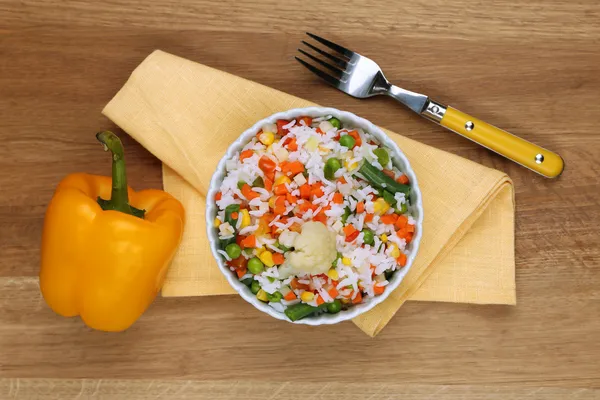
(416, 209)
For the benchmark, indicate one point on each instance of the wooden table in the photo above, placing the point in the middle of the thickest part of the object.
(530, 67)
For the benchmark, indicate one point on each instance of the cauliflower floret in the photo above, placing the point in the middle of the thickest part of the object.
(314, 250)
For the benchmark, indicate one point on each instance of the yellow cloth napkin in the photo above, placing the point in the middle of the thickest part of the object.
(187, 114)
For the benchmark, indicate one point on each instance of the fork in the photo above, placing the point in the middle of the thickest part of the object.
(361, 77)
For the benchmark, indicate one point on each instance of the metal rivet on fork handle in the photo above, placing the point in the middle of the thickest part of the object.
(539, 158)
(469, 125)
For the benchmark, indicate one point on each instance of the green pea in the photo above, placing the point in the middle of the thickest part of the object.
(347, 141)
(403, 209)
(255, 266)
(275, 297)
(233, 250)
(369, 237)
(334, 163)
(254, 287)
(335, 122)
(258, 182)
(328, 172)
(334, 307)
(241, 184)
(382, 156)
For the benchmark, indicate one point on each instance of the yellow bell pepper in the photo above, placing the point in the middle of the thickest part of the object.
(105, 248)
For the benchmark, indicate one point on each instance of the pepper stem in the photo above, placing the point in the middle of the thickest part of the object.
(119, 197)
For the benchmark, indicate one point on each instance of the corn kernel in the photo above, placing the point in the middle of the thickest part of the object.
(262, 295)
(333, 274)
(346, 261)
(395, 252)
(217, 222)
(272, 202)
(350, 166)
(380, 206)
(267, 258)
(307, 296)
(266, 138)
(245, 218)
(384, 238)
(345, 300)
(282, 179)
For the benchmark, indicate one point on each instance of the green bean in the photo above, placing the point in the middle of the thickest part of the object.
(255, 287)
(233, 250)
(275, 297)
(335, 122)
(347, 141)
(230, 209)
(389, 198)
(335, 307)
(247, 281)
(255, 266)
(346, 214)
(377, 178)
(299, 311)
(382, 156)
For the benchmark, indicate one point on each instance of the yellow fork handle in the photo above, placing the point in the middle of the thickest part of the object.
(527, 154)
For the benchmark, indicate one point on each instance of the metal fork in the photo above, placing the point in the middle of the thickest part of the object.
(361, 77)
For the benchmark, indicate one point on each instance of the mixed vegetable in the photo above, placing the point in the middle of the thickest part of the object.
(313, 216)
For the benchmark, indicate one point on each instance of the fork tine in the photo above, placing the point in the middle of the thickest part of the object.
(325, 76)
(323, 63)
(342, 64)
(331, 45)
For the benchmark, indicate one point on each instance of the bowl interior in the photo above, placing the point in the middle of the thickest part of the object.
(398, 159)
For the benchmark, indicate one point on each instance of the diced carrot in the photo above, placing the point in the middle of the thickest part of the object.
(270, 176)
(402, 233)
(349, 229)
(409, 238)
(280, 124)
(369, 217)
(239, 239)
(241, 271)
(360, 207)
(320, 300)
(248, 192)
(357, 299)
(403, 179)
(294, 167)
(320, 217)
(292, 145)
(410, 228)
(342, 180)
(320, 132)
(307, 121)
(378, 290)
(290, 296)
(278, 258)
(291, 199)
(389, 173)
(304, 207)
(218, 196)
(333, 292)
(389, 219)
(338, 198)
(279, 205)
(305, 191)
(401, 259)
(317, 189)
(297, 285)
(356, 137)
(280, 190)
(246, 154)
(266, 164)
(249, 242)
(296, 227)
(401, 222)
(234, 215)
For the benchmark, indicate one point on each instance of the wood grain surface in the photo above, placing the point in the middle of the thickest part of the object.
(532, 68)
